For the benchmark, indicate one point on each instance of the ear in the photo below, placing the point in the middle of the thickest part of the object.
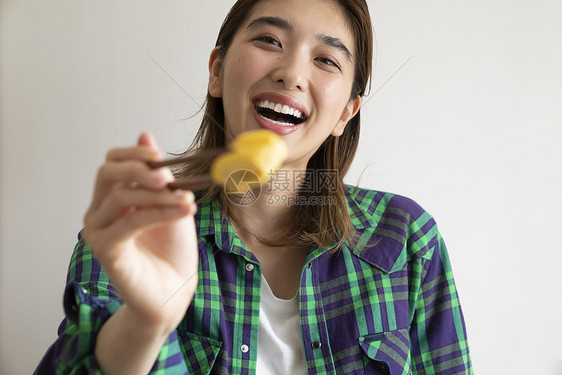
(348, 113)
(215, 68)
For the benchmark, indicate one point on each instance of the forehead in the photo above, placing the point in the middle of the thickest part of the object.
(325, 17)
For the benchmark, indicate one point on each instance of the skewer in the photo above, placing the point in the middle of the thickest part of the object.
(193, 182)
(200, 156)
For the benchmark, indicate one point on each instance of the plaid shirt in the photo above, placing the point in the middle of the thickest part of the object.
(390, 309)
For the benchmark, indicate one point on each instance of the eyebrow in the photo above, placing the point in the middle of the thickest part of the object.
(336, 43)
(286, 25)
(272, 21)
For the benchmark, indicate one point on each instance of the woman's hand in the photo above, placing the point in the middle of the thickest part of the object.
(143, 235)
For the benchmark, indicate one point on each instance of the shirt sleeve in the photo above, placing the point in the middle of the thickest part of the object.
(89, 301)
(438, 332)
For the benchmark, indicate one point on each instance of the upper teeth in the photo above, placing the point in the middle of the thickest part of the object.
(280, 108)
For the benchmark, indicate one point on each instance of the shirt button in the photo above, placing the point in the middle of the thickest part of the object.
(309, 265)
(249, 267)
(316, 344)
(244, 348)
(83, 289)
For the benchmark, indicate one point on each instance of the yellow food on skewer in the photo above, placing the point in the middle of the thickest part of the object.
(253, 157)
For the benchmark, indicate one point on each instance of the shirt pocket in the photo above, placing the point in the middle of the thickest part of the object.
(386, 353)
(199, 352)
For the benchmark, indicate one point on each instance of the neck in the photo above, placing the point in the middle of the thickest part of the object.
(270, 212)
(268, 216)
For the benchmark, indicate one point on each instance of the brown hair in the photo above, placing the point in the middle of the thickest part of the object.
(324, 225)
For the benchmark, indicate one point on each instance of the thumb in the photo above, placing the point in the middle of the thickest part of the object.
(147, 139)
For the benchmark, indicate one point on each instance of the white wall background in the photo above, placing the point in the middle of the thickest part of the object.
(469, 128)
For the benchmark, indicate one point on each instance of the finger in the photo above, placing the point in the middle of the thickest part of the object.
(147, 139)
(119, 203)
(131, 172)
(145, 219)
(142, 153)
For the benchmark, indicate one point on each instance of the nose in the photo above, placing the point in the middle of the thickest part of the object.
(292, 71)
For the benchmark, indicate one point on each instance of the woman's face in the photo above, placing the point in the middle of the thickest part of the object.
(290, 69)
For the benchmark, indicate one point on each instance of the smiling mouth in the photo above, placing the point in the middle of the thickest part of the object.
(279, 114)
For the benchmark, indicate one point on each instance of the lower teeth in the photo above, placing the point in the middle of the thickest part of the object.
(278, 122)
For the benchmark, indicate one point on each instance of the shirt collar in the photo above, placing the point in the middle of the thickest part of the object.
(371, 247)
(211, 223)
(379, 250)
(361, 217)
(374, 216)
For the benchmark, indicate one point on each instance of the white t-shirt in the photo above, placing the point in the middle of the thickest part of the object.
(280, 345)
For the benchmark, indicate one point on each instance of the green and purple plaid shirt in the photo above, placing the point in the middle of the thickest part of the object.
(390, 309)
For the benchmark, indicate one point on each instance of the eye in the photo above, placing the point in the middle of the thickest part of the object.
(268, 40)
(328, 62)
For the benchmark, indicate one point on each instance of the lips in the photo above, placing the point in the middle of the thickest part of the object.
(279, 113)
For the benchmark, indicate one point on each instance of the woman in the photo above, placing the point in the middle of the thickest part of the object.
(359, 285)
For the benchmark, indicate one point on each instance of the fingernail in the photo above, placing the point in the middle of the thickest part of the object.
(184, 196)
(156, 177)
(179, 194)
(156, 155)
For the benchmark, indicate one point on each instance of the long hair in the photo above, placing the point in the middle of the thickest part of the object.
(325, 225)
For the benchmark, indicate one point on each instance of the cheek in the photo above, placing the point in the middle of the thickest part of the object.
(243, 70)
(334, 95)
(235, 79)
